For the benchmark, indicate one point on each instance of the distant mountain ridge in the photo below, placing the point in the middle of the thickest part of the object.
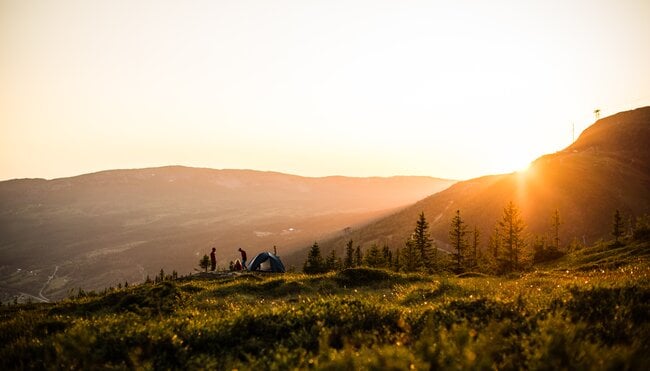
(607, 168)
(121, 225)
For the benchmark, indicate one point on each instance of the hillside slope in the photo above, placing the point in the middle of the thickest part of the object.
(581, 313)
(607, 168)
(99, 229)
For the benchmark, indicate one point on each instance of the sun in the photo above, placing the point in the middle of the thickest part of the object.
(525, 168)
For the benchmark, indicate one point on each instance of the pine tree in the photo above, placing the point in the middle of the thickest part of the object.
(539, 249)
(358, 257)
(410, 256)
(374, 257)
(396, 261)
(332, 263)
(476, 239)
(617, 227)
(555, 224)
(204, 262)
(314, 263)
(458, 239)
(349, 255)
(388, 257)
(494, 244)
(511, 228)
(423, 243)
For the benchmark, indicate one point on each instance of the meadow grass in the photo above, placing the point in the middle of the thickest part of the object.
(586, 311)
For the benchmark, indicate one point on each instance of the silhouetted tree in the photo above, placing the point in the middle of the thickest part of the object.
(629, 226)
(314, 262)
(332, 263)
(374, 257)
(617, 227)
(539, 249)
(511, 229)
(555, 224)
(458, 239)
(396, 261)
(476, 239)
(388, 256)
(358, 257)
(349, 255)
(410, 256)
(423, 243)
(204, 262)
(494, 244)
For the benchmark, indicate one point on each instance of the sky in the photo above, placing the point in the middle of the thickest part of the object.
(452, 89)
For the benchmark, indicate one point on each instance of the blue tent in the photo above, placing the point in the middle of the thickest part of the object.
(266, 262)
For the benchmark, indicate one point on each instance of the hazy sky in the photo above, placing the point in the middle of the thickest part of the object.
(453, 89)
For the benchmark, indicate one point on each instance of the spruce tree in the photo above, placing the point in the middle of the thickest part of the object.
(358, 257)
(332, 263)
(374, 257)
(410, 256)
(388, 257)
(203, 263)
(617, 227)
(314, 263)
(396, 261)
(349, 255)
(494, 244)
(511, 229)
(423, 243)
(476, 239)
(458, 239)
(555, 224)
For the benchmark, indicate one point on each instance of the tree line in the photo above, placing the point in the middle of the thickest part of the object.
(508, 248)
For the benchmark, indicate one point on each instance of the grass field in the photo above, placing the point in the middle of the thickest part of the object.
(589, 310)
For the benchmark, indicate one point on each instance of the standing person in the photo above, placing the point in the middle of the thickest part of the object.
(213, 259)
(243, 258)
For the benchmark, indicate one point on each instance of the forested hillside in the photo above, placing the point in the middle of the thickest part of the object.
(606, 169)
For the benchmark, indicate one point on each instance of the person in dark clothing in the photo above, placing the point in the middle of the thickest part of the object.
(243, 258)
(213, 259)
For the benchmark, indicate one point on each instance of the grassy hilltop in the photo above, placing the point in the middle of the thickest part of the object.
(588, 310)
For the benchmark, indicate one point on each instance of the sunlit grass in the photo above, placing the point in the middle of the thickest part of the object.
(570, 314)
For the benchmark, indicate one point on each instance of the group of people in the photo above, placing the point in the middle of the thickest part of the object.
(234, 266)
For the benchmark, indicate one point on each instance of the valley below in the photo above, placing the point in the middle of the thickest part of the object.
(115, 227)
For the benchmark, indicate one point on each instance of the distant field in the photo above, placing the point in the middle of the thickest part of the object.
(586, 311)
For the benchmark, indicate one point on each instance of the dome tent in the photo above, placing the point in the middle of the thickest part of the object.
(266, 262)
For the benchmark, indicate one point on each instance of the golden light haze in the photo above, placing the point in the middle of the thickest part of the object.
(452, 89)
